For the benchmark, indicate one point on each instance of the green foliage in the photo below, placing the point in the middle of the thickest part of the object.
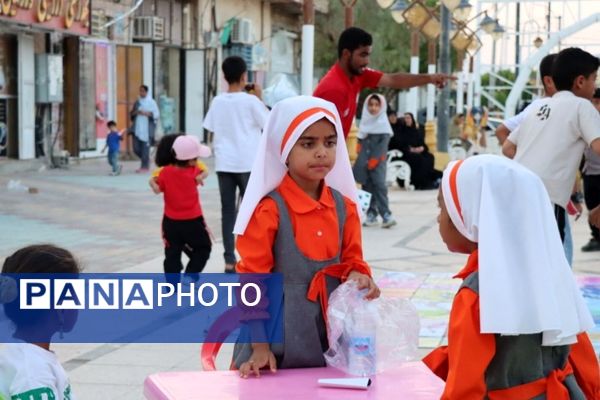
(499, 95)
(391, 41)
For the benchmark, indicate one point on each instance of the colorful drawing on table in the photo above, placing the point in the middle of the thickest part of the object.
(432, 295)
(590, 288)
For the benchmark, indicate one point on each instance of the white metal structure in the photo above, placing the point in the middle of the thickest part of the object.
(542, 20)
(535, 58)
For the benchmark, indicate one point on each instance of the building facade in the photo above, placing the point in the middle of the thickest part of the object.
(67, 69)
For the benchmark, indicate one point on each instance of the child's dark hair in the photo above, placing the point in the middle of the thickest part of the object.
(233, 68)
(111, 124)
(571, 63)
(596, 94)
(376, 98)
(353, 38)
(164, 151)
(35, 259)
(144, 87)
(546, 65)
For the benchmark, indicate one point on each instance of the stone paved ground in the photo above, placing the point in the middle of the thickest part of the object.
(113, 224)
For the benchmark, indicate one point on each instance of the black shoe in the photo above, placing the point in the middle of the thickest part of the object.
(592, 245)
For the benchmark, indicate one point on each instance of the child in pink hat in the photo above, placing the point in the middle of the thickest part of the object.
(183, 225)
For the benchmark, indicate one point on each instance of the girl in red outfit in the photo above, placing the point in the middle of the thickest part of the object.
(183, 226)
(516, 323)
(299, 218)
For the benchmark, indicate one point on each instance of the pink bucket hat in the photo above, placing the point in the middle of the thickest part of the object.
(188, 147)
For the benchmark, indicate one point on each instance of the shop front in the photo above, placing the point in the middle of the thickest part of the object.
(38, 40)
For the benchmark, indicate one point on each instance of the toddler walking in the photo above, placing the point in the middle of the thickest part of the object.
(183, 225)
(113, 143)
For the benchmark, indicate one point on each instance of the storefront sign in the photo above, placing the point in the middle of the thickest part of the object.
(67, 15)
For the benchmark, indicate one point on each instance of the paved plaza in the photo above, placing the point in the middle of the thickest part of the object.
(112, 224)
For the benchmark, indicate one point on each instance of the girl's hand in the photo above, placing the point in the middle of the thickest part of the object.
(262, 356)
(365, 282)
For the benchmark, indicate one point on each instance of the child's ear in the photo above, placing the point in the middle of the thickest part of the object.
(578, 83)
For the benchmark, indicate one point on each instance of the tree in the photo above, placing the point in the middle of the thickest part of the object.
(391, 41)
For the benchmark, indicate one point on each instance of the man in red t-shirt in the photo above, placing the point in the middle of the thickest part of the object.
(349, 75)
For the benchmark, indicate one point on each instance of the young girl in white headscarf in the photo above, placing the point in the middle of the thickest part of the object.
(516, 324)
(374, 133)
(299, 218)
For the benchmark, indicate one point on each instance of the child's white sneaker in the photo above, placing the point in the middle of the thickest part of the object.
(370, 221)
(388, 222)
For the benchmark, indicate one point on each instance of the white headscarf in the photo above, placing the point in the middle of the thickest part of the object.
(525, 283)
(374, 124)
(285, 124)
(142, 122)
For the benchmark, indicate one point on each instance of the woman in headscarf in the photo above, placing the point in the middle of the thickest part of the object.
(411, 142)
(374, 134)
(144, 117)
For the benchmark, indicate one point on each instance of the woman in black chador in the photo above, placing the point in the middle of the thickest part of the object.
(411, 142)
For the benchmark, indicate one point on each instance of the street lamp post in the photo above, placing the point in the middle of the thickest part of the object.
(443, 100)
(308, 47)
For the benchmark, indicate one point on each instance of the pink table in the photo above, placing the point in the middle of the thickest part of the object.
(411, 381)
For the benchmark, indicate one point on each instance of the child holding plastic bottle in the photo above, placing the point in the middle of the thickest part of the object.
(183, 225)
(517, 323)
(299, 218)
(28, 368)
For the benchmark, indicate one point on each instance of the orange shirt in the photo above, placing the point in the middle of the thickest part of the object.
(463, 363)
(315, 227)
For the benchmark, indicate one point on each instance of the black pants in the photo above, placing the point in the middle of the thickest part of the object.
(591, 191)
(189, 236)
(228, 183)
(560, 215)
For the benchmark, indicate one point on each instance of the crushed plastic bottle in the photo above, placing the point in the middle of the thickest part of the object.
(16, 186)
(361, 352)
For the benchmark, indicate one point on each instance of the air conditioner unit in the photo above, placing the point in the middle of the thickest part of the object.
(98, 19)
(211, 40)
(149, 29)
(242, 31)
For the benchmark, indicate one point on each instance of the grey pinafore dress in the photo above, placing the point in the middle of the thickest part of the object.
(304, 330)
(521, 359)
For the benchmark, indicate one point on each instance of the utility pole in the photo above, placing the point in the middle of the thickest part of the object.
(518, 40)
(348, 12)
(549, 18)
(308, 47)
(443, 109)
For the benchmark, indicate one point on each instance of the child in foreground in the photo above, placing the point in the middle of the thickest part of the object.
(30, 370)
(299, 218)
(517, 323)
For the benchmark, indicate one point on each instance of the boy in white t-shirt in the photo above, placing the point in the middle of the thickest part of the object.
(29, 370)
(236, 118)
(552, 138)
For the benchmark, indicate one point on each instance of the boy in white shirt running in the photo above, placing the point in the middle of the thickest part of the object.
(236, 118)
(552, 138)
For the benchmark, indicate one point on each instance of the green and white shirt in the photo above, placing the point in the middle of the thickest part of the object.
(28, 372)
